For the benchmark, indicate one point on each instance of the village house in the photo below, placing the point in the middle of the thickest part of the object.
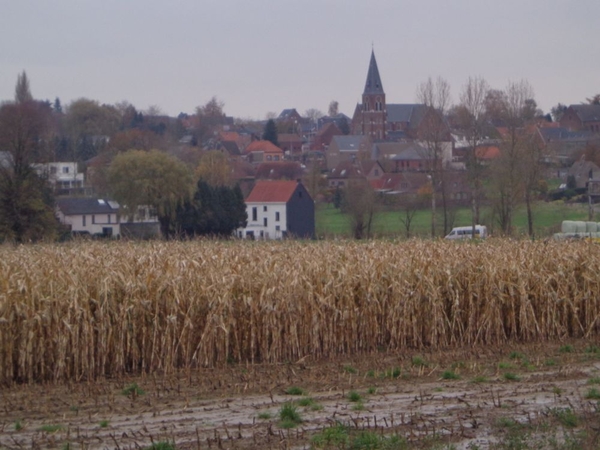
(90, 216)
(563, 145)
(64, 177)
(348, 148)
(279, 210)
(291, 144)
(401, 183)
(581, 117)
(581, 172)
(325, 135)
(263, 151)
(346, 171)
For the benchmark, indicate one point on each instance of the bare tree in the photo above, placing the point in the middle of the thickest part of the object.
(507, 176)
(153, 110)
(532, 169)
(433, 133)
(472, 103)
(360, 203)
(313, 114)
(409, 205)
(314, 180)
(213, 108)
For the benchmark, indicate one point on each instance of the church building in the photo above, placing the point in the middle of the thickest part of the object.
(381, 121)
(370, 118)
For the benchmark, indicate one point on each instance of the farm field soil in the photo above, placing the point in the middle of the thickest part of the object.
(443, 399)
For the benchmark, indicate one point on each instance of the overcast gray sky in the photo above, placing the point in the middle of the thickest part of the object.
(259, 56)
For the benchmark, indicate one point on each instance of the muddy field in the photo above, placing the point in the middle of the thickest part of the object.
(546, 396)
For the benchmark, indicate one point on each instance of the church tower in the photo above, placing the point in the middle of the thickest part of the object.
(371, 116)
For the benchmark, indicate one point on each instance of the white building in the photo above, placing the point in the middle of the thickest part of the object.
(277, 210)
(64, 176)
(92, 216)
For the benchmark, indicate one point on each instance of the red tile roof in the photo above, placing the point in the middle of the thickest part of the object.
(272, 191)
(262, 146)
(488, 152)
(229, 136)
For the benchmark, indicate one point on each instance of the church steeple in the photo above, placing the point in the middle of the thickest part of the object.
(373, 84)
(370, 118)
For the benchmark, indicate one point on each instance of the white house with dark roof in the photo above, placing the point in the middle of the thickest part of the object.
(277, 210)
(92, 216)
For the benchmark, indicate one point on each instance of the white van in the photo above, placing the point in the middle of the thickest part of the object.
(467, 232)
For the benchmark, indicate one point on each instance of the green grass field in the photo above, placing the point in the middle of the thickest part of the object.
(547, 219)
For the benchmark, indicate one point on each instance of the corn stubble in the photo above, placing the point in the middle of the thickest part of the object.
(87, 310)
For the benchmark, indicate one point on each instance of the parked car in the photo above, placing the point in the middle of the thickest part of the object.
(467, 232)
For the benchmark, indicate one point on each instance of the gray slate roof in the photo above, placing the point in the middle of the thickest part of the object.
(400, 151)
(406, 112)
(77, 206)
(348, 143)
(287, 113)
(587, 113)
(562, 134)
(373, 84)
(231, 147)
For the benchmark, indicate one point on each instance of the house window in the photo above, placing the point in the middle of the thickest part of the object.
(83, 221)
(277, 228)
(269, 158)
(265, 221)
(53, 170)
(264, 209)
(277, 216)
(108, 218)
(65, 169)
(93, 219)
(254, 214)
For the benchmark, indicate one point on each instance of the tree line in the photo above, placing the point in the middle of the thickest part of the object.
(131, 159)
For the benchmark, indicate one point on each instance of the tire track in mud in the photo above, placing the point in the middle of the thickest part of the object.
(459, 411)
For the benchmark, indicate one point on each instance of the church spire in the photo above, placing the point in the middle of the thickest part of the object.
(373, 84)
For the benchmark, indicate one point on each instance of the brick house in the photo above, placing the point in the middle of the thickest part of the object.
(348, 148)
(324, 136)
(581, 117)
(290, 143)
(263, 151)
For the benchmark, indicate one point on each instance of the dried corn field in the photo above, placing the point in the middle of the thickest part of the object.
(86, 310)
